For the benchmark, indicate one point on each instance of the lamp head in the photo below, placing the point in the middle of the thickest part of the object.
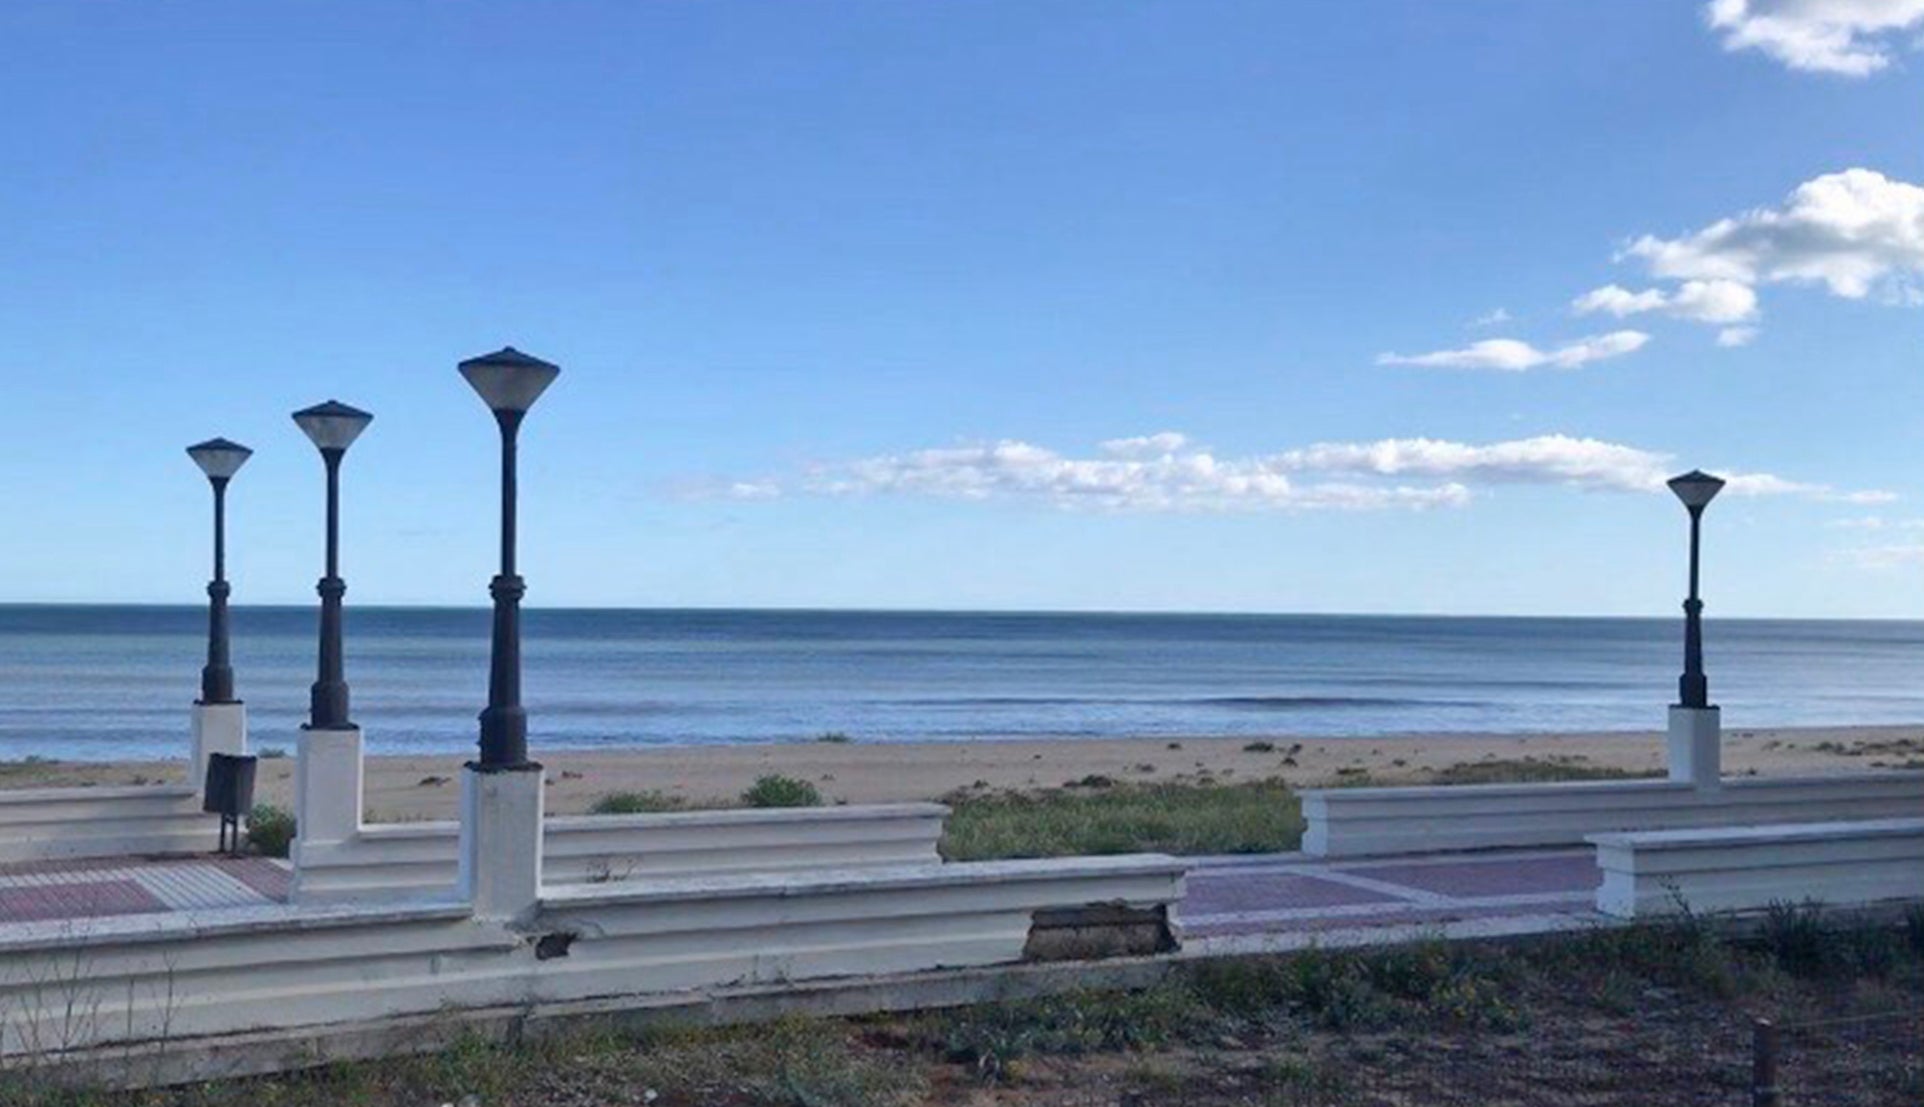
(508, 380)
(1696, 488)
(332, 425)
(219, 458)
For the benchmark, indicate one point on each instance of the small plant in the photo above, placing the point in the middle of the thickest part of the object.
(776, 790)
(636, 803)
(1260, 747)
(272, 753)
(834, 738)
(270, 830)
(1093, 780)
(1794, 934)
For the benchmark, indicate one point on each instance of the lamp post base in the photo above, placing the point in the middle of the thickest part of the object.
(1695, 746)
(327, 788)
(218, 728)
(501, 813)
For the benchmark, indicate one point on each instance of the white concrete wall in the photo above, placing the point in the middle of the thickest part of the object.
(418, 860)
(1347, 822)
(1844, 864)
(274, 974)
(44, 823)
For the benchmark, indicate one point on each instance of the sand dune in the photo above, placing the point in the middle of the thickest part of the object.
(425, 787)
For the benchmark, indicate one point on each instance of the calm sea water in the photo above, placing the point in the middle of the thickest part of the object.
(116, 682)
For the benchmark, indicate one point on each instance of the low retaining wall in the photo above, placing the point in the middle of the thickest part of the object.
(1348, 822)
(1842, 864)
(418, 860)
(39, 824)
(180, 989)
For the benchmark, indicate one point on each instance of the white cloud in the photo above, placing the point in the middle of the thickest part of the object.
(1492, 318)
(1546, 459)
(1699, 301)
(1130, 474)
(1514, 356)
(1714, 302)
(751, 490)
(1731, 337)
(1874, 523)
(1850, 231)
(1897, 556)
(1168, 472)
(1854, 38)
(1147, 445)
(1618, 301)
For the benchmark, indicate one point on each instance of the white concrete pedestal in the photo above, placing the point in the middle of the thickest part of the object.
(218, 728)
(327, 789)
(1696, 746)
(500, 873)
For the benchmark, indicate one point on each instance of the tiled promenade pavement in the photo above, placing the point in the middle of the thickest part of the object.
(40, 891)
(1289, 900)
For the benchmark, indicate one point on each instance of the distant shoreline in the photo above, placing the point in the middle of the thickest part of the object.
(422, 786)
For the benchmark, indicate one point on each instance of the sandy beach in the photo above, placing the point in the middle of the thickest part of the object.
(423, 787)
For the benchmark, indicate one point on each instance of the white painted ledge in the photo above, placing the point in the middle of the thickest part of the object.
(414, 860)
(1840, 863)
(39, 824)
(1351, 822)
(282, 971)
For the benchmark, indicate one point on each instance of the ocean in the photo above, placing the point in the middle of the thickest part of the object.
(105, 682)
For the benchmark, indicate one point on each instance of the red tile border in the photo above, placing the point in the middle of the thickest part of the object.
(77, 900)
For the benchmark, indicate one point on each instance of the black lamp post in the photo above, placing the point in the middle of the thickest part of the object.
(220, 460)
(332, 427)
(1696, 489)
(509, 382)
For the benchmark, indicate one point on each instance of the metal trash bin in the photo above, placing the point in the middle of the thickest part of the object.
(229, 793)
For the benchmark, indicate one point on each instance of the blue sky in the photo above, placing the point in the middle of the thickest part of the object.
(1379, 306)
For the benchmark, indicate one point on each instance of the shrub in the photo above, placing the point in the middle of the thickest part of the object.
(834, 737)
(776, 790)
(270, 830)
(1794, 934)
(1260, 747)
(271, 753)
(636, 803)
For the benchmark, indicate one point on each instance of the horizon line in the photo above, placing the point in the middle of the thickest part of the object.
(483, 608)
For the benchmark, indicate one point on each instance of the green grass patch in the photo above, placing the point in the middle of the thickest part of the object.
(776, 790)
(788, 1063)
(637, 803)
(1530, 770)
(1258, 817)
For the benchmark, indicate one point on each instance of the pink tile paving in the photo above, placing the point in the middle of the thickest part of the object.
(40, 891)
(1281, 894)
(1494, 876)
(89, 899)
(1292, 894)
